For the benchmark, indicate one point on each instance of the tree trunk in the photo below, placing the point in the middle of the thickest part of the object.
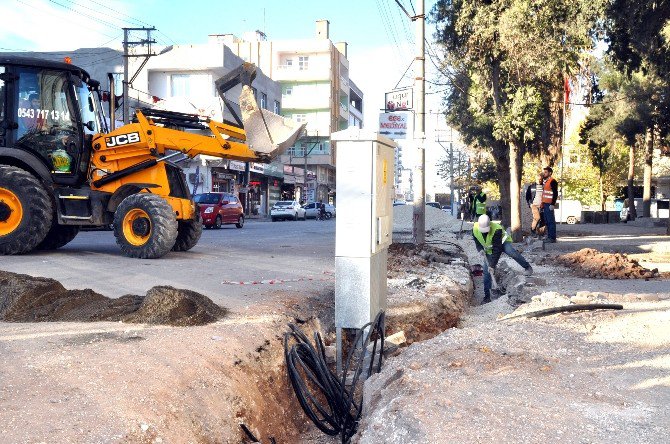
(552, 150)
(632, 214)
(602, 193)
(503, 169)
(514, 190)
(648, 158)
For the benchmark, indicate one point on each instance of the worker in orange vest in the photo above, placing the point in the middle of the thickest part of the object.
(549, 196)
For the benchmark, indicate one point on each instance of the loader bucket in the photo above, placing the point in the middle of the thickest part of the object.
(268, 134)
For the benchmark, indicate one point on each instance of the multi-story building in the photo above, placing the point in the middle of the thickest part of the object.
(183, 80)
(315, 89)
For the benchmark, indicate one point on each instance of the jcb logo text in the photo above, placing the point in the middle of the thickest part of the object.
(122, 139)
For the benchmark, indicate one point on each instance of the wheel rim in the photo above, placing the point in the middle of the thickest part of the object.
(218, 222)
(11, 212)
(137, 227)
(241, 221)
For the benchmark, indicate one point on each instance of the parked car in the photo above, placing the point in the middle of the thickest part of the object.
(218, 209)
(434, 205)
(287, 209)
(311, 210)
(397, 204)
(571, 213)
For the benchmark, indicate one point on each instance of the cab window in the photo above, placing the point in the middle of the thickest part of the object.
(47, 122)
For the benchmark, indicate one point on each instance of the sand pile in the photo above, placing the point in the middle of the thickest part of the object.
(26, 298)
(591, 263)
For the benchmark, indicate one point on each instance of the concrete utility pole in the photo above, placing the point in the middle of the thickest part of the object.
(126, 55)
(419, 225)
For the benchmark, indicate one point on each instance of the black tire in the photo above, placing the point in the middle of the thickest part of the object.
(58, 236)
(162, 231)
(274, 219)
(295, 216)
(188, 233)
(36, 207)
(218, 222)
(329, 215)
(240, 222)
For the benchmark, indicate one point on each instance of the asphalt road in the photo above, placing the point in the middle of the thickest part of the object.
(301, 254)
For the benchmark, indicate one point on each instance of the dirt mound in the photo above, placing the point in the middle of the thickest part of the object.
(26, 298)
(167, 305)
(591, 263)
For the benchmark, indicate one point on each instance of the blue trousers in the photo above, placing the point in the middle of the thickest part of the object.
(550, 220)
(511, 252)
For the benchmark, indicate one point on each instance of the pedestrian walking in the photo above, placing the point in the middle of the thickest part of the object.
(534, 201)
(549, 196)
(492, 241)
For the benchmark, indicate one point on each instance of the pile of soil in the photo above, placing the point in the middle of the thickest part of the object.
(26, 298)
(591, 263)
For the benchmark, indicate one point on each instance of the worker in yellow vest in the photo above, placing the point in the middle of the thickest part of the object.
(492, 241)
(478, 203)
(549, 196)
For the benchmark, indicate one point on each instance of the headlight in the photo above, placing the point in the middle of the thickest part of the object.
(209, 210)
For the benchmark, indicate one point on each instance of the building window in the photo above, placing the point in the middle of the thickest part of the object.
(303, 63)
(277, 108)
(288, 90)
(300, 118)
(289, 62)
(255, 91)
(264, 101)
(191, 85)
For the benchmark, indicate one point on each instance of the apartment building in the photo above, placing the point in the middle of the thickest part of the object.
(315, 89)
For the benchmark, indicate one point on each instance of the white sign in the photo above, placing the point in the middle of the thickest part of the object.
(236, 165)
(399, 100)
(396, 125)
(257, 167)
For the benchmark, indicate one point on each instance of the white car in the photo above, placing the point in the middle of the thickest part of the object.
(287, 209)
(312, 210)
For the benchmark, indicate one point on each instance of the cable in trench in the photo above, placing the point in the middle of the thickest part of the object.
(334, 404)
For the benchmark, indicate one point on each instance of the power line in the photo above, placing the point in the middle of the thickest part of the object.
(104, 22)
(66, 17)
(107, 8)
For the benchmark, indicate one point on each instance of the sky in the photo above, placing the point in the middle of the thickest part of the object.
(379, 34)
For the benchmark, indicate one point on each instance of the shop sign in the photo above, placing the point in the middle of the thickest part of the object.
(399, 100)
(395, 125)
(236, 165)
(257, 167)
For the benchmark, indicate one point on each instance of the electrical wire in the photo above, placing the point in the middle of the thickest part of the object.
(334, 404)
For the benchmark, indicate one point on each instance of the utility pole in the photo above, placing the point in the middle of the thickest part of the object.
(126, 56)
(419, 219)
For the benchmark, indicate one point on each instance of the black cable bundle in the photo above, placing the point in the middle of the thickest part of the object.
(328, 401)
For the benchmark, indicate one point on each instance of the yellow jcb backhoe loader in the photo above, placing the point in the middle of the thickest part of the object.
(61, 168)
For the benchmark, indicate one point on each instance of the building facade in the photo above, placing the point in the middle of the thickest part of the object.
(315, 89)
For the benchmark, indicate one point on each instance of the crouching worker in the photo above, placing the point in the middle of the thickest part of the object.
(492, 240)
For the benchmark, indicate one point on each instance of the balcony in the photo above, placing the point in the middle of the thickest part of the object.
(344, 84)
(294, 73)
(344, 110)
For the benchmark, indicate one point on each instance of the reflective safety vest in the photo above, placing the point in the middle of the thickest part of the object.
(480, 207)
(547, 193)
(487, 242)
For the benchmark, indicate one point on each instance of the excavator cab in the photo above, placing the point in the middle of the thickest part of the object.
(51, 115)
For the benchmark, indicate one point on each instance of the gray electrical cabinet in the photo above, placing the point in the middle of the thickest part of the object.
(364, 224)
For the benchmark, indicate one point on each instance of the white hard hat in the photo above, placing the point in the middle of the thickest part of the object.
(484, 223)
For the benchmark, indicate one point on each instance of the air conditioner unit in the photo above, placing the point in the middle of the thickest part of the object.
(196, 177)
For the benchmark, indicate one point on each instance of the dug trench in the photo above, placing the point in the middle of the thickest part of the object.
(172, 366)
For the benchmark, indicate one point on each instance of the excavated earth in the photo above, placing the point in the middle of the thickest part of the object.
(26, 298)
(429, 287)
(591, 263)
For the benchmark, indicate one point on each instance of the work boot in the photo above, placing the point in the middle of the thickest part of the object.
(528, 271)
(487, 298)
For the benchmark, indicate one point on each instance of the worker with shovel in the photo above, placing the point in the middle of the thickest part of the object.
(492, 241)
